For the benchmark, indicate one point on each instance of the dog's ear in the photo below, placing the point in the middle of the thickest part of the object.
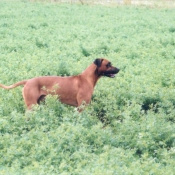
(98, 62)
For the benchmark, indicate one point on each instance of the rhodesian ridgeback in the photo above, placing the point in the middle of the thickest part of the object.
(71, 90)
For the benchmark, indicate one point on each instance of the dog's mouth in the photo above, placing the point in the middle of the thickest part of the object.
(109, 75)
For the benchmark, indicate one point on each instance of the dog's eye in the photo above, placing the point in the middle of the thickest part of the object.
(108, 65)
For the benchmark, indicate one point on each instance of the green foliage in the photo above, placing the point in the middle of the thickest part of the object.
(129, 126)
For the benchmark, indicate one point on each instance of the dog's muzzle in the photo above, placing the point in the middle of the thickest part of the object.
(111, 73)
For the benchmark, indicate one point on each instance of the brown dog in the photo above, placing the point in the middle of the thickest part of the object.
(72, 90)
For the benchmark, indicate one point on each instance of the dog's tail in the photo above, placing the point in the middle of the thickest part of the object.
(14, 85)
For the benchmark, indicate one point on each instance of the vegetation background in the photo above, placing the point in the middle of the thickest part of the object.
(129, 126)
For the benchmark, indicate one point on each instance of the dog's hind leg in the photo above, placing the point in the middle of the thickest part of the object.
(30, 96)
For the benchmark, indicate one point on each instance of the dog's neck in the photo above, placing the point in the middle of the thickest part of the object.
(90, 74)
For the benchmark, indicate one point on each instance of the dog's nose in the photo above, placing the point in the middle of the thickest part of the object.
(117, 70)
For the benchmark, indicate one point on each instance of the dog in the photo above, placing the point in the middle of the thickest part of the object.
(71, 90)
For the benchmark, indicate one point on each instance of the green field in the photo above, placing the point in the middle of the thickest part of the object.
(129, 127)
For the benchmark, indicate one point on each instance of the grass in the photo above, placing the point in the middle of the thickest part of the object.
(150, 3)
(129, 126)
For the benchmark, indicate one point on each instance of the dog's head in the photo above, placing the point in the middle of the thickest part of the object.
(105, 68)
